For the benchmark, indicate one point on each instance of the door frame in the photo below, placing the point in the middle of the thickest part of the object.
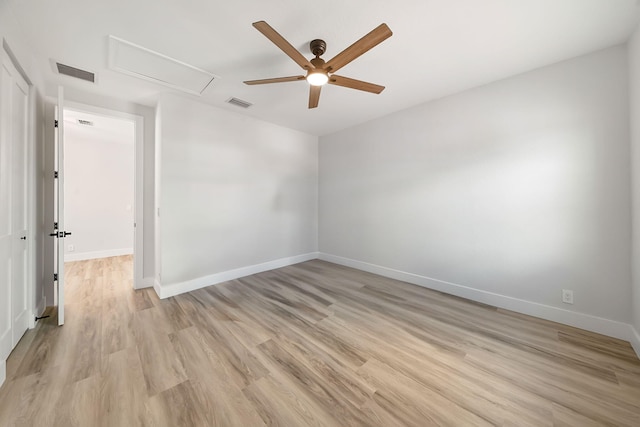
(138, 203)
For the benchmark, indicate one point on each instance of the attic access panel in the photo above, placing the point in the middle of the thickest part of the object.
(138, 61)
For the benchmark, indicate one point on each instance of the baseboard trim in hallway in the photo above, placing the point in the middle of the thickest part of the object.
(83, 256)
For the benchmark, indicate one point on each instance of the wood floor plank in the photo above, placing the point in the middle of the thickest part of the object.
(312, 344)
(41, 352)
(17, 398)
(117, 333)
(238, 359)
(161, 367)
(141, 299)
(39, 398)
(247, 332)
(174, 313)
(294, 372)
(281, 406)
(564, 417)
(81, 407)
(221, 396)
(288, 322)
(432, 368)
(123, 391)
(181, 405)
(589, 401)
(414, 404)
(343, 379)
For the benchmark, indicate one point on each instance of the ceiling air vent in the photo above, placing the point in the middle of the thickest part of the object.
(85, 122)
(70, 71)
(239, 103)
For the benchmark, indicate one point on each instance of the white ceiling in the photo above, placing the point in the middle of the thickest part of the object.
(439, 47)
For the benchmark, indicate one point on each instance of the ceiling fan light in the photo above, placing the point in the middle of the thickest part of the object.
(317, 79)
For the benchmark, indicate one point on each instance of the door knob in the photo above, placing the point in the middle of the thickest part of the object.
(23, 238)
(60, 234)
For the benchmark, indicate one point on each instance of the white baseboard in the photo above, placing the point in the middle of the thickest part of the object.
(596, 324)
(169, 290)
(42, 305)
(147, 282)
(3, 371)
(157, 287)
(635, 340)
(81, 256)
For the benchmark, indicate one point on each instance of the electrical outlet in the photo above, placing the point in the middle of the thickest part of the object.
(71, 248)
(567, 296)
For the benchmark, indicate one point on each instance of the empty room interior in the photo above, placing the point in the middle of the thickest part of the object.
(347, 213)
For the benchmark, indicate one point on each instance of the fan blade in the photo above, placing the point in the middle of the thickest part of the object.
(314, 96)
(355, 84)
(284, 45)
(276, 80)
(371, 40)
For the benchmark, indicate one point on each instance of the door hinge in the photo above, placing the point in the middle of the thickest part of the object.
(55, 123)
(55, 225)
(55, 277)
(55, 174)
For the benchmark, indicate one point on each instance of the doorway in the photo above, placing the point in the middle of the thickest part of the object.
(103, 195)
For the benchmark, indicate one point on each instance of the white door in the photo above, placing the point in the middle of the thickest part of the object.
(14, 306)
(59, 232)
(19, 293)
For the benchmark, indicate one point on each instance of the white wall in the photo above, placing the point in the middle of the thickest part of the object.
(516, 189)
(99, 187)
(234, 192)
(634, 96)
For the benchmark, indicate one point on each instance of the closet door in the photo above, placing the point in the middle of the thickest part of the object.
(19, 138)
(14, 306)
(6, 332)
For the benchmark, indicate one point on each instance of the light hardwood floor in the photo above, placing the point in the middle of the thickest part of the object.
(311, 344)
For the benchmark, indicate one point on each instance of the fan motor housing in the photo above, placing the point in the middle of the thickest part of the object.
(317, 62)
(318, 47)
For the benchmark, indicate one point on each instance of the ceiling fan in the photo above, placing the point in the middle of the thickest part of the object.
(320, 72)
